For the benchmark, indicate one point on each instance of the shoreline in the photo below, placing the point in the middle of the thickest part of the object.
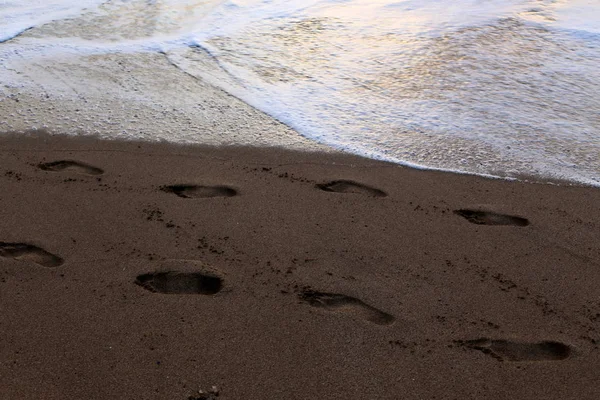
(154, 270)
(316, 149)
(117, 96)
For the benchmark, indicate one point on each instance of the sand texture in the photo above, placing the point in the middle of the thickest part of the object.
(151, 271)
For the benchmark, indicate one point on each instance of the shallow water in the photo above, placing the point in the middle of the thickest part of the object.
(505, 88)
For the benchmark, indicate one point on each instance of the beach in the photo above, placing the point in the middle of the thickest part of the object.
(195, 202)
(139, 270)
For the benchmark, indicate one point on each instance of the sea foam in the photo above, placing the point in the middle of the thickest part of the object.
(503, 88)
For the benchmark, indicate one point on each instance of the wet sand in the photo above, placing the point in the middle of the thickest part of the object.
(135, 270)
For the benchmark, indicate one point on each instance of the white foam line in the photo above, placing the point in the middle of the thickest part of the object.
(545, 179)
(6, 38)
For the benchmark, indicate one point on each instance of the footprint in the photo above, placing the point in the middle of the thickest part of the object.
(199, 192)
(491, 218)
(28, 252)
(506, 350)
(70, 165)
(343, 186)
(346, 304)
(180, 282)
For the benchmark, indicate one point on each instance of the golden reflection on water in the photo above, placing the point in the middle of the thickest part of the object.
(497, 79)
(300, 41)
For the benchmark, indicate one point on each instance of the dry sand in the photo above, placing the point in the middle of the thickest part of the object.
(151, 271)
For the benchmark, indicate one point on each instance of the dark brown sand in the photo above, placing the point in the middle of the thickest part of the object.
(151, 271)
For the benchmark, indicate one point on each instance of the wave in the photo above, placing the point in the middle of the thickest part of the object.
(497, 88)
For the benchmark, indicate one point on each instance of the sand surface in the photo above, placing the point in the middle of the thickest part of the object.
(142, 95)
(151, 271)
